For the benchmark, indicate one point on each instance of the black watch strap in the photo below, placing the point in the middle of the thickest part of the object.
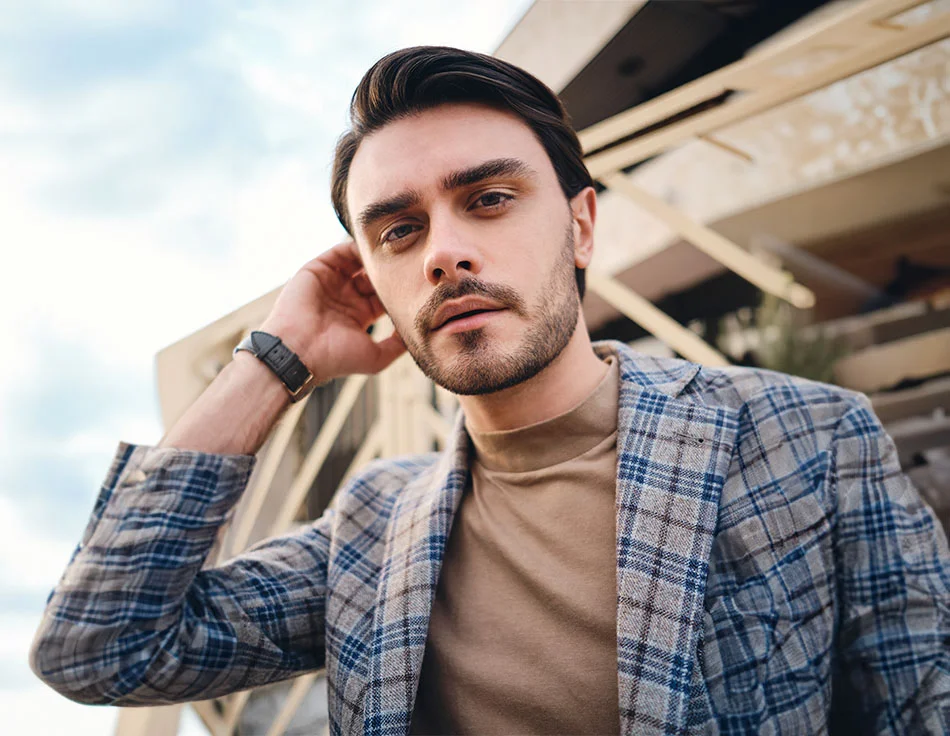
(280, 359)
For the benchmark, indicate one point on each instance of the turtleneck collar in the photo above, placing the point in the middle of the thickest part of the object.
(556, 440)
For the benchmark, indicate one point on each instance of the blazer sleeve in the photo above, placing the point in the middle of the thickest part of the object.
(893, 571)
(134, 620)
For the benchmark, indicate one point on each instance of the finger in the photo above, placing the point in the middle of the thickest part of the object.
(362, 284)
(387, 351)
(369, 309)
(376, 307)
(344, 258)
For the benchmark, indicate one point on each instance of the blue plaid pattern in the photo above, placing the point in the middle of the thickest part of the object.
(776, 572)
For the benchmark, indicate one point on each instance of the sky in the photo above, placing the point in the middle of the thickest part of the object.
(162, 162)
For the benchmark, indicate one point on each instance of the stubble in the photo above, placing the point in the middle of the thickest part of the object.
(478, 368)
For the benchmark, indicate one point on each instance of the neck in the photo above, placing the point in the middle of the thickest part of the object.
(561, 386)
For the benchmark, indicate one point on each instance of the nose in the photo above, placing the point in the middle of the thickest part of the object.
(452, 255)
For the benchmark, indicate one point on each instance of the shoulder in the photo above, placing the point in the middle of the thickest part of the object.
(771, 405)
(768, 407)
(742, 387)
(751, 393)
(790, 434)
(776, 404)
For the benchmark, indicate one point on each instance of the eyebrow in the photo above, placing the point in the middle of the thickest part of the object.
(495, 168)
(386, 207)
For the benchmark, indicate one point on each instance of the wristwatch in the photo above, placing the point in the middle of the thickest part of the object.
(281, 360)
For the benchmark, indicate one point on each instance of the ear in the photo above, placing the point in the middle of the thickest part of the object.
(584, 213)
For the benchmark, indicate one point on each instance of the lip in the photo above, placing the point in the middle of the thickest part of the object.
(454, 308)
(472, 322)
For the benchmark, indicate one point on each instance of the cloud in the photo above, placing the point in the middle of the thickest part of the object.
(57, 59)
(74, 387)
(70, 415)
(32, 559)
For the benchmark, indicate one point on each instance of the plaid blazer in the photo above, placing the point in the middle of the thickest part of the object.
(776, 572)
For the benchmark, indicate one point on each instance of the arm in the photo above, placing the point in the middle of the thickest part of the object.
(893, 569)
(322, 314)
(134, 620)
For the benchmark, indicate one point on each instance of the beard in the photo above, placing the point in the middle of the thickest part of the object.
(479, 367)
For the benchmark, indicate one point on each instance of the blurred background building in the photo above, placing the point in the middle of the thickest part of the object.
(774, 184)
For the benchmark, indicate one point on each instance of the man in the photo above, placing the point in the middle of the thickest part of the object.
(611, 542)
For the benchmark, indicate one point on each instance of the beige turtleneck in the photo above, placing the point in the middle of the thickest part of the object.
(522, 637)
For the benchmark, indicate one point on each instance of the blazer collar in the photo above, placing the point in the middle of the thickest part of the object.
(668, 376)
(672, 459)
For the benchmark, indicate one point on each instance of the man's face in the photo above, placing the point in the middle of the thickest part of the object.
(470, 244)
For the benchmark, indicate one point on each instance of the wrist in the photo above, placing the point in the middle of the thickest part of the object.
(287, 332)
(256, 379)
(292, 338)
(235, 413)
(283, 362)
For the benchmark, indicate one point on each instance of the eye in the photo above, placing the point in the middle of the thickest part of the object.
(493, 200)
(399, 232)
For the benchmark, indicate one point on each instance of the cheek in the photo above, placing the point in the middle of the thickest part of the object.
(526, 266)
(396, 291)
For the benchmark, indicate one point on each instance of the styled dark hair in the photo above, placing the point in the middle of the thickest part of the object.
(419, 78)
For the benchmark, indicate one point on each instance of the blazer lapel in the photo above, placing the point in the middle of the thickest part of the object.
(415, 543)
(672, 459)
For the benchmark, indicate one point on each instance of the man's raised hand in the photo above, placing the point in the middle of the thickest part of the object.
(323, 312)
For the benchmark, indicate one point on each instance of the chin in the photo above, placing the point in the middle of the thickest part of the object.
(477, 362)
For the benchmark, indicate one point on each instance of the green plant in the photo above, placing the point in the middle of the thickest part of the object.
(789, 345)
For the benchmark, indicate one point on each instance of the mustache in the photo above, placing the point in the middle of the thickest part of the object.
(504, 295)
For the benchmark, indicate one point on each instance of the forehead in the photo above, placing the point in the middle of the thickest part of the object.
(415, 153)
